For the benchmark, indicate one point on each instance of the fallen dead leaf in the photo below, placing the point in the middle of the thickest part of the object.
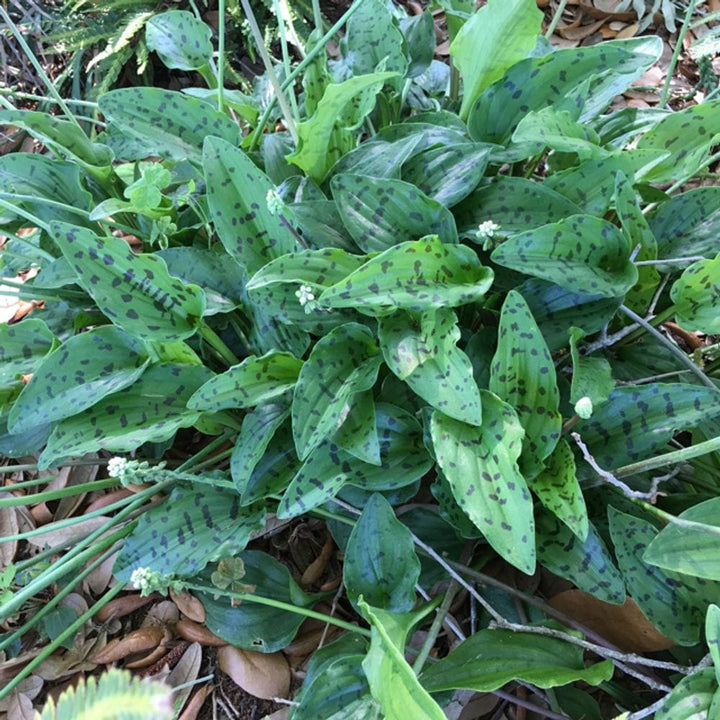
(186, 671)
(624, 626)
(195, 632)
(262, 675)
(188, 605)
(194, 705)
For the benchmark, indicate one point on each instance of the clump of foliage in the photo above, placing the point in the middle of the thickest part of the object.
(403, 300)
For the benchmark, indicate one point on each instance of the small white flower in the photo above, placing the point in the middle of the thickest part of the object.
(273, 202)
(116, 467)
(305, 295)
(144, 579)
(487, 229)
(584, 408)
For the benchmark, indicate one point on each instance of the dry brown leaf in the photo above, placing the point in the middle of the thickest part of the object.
(108, 499)
(99, 579)
(154, 656)
(263, 675)
(136, 641)
(624, 626)
(121, 606)
(8, 527)
(20, 707)
(583, 31)
(188, 605)
(195, 632)
(164, 613)
(9, 668)
(186, 671)
(194, 705)
(68, 535)
(30, 687)
(281, 714)
(77, 475)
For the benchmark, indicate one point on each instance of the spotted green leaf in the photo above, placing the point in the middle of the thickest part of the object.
(419, 34)
(342, 363)
(63, 137)
(560, 79)
(150, 410)
(392, 681)
(555, 309)
(581, 252)
(254, 381)
(712, 636)
(558, 130)
(42, 179)
(380, 561)
(481, 467)
(84, 370)
(586, 563)
(275, 288)
(637, 422)
(258, 429)
(278, 465)
(415, 276)
(686, 136)
(380, 213)
(373, 41)
(592, 376)
(688, 224)
(221, 281)
(692, 698)
(378, 158)
(449, 510)
(421, 349)
(663, 599)
(250, 625)
(490, 659)
(638, 232)
(515, 204)
(690, 548)
(181, 40)
(506, 31)
(448, 174)
(190, 529)
(147, 121)
(403, 459)
(335, 686)
(590, 185)
(238, 201)
(523, 375)
(135, 292)
(558, 489)
(22, 346)
(358, 435)
(696, 294)
(347, 103)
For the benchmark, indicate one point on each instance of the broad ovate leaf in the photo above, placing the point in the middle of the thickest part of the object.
(150, 410)
(416, 275)
(490, 659)
(480, 463)
(193, 527)
(135, 292)
(380, 560)
(421, 349)
(238, 200)
(380, 213)
(506, 30)
(392, 681)
(696, 294)
(692, 698)
(84, 370)
(690, 546)
(254, 381)
(342, 363)
(662, 598)
(580, 251)
(148, 121)
(181, 40)
(523, 375)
